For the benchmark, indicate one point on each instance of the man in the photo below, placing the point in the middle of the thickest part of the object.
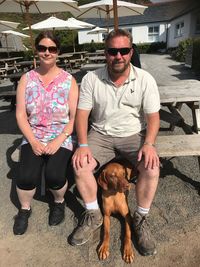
(123, 104)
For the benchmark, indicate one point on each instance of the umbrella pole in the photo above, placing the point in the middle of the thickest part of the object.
(115, 14)
(107, 17)
(6, 37)
(28, 20)
(73, 41)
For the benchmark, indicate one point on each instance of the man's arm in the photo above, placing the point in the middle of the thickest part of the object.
(81, 123)
(153, 125)
(148, 151)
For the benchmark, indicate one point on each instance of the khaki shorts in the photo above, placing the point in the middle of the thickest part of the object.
(105, 148)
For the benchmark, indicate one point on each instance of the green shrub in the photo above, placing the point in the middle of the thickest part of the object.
(196, 55)
(147, 48)
(180, 52)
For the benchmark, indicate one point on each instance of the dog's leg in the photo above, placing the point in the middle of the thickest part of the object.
(104, 248)
(128, 255)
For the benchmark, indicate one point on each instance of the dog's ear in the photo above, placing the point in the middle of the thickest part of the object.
(102, 180)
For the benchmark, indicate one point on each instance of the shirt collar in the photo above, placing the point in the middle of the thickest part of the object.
(132, 75)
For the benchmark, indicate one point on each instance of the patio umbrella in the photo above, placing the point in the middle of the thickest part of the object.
(110, 9)
(53, 23)
(80, 23)
(97, 30)
(8, 24)
(11, 32)
(37, 6)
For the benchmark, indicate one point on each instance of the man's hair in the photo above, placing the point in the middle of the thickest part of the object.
(47, 34)
(118, 33)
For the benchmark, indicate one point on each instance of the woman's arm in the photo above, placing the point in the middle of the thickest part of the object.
(22, 118)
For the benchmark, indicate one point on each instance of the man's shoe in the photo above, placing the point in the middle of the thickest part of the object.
(146, 244)
(56, 213)
(92, 220)
(21, 222)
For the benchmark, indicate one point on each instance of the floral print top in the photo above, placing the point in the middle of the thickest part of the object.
(47, 107)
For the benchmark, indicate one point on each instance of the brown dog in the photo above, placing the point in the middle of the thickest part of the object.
(114, 182)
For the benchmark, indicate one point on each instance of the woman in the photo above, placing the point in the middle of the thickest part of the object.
(46, 105)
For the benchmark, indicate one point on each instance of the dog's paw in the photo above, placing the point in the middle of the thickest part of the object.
(103, 252)
(128, 256)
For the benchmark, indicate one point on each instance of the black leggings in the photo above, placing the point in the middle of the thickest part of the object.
(31, 168)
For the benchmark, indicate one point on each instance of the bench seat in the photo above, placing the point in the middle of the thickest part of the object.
(178, 145)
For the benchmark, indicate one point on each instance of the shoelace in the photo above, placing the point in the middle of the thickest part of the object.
(142, 226)
(86, 218)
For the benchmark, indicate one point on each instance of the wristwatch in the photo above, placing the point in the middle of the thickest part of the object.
(65, 133)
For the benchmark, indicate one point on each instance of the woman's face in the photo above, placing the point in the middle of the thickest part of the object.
(47, 51)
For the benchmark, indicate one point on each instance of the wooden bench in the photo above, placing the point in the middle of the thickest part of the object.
(178, 145)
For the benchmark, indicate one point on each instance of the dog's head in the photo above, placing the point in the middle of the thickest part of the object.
(115, 177)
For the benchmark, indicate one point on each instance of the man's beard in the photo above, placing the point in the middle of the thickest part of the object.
(121, 69)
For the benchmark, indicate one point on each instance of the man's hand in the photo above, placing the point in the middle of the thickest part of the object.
(79, 155)
(151, 159)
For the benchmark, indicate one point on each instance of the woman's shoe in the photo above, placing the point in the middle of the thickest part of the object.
(21, 222)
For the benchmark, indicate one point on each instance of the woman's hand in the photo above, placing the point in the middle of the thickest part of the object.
(53, 146)
(37, 147)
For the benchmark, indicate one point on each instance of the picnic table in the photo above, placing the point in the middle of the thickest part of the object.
(173, 96)
(90, 66)
(8, 64)
(14, 77)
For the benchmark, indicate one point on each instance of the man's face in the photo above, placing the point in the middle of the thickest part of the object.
(118, 60)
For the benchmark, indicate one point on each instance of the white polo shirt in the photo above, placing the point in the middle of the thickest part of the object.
(119, 111)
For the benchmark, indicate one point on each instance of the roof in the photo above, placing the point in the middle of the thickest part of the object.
(161, 12)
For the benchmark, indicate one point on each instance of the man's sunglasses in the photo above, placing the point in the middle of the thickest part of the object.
(114, 51)
(43, 49)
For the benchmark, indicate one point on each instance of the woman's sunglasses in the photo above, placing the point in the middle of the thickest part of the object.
(43, 49)
(114, 51)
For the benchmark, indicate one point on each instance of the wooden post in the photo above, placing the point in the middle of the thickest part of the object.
(115, 14)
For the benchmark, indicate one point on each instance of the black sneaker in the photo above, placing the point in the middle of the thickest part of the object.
(56, 213)
(21, 222)
(145, 242)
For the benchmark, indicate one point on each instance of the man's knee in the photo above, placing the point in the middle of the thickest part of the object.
(149, 172)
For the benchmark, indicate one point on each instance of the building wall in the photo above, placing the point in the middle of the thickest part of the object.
(139, 32)
(173, 40)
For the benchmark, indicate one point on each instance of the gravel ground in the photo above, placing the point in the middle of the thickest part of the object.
(175, 213)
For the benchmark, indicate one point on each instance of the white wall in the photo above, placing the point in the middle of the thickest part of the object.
(83, 37)
(139, 32)
(174, 41)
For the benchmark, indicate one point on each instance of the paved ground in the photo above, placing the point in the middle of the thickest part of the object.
(175, 213)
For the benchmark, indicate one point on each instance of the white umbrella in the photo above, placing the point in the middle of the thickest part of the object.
(110, 9)
(11, 32)
(37, 6)
(15, 33)
(8, 24)
(80, 23)
(97, 30)
(54, 23)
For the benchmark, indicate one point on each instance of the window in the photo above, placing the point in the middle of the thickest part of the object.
(153, 34)
(179, 29)
(197, 28)
(129, 30)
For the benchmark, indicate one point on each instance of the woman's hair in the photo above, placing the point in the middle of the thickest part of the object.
(47, 34)
(118, 33)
